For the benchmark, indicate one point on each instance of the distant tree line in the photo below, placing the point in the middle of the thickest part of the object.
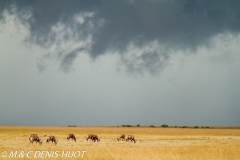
(71, 125)
(128, 125)
(165, 126)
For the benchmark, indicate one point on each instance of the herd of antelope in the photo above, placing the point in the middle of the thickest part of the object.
(92, 137)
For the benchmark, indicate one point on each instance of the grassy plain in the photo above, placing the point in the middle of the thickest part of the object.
(152, 143)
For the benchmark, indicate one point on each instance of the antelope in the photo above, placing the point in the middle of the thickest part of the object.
(51, 138)
(34, 137)
(72, 136)
(93, 137)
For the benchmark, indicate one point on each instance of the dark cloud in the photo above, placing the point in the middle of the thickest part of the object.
(114, 25)
(68, 59)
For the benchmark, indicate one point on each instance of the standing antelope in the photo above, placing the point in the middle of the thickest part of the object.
(72, 136)
(34, 137)
(93, 137)
(51, 138)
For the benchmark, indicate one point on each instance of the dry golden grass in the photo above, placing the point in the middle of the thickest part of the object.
(152, 143)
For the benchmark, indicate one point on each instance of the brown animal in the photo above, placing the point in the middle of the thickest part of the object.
(34, 137)
(93, 137)
(131, 138)
(72, 136)
(90, 136)
(122, 136)
(52, 138)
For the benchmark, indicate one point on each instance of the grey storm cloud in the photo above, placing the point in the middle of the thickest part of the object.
(112, 26)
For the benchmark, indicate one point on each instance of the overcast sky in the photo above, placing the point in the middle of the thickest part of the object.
(147, 62)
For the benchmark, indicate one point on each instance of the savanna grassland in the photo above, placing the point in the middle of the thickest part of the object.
(152, 143)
